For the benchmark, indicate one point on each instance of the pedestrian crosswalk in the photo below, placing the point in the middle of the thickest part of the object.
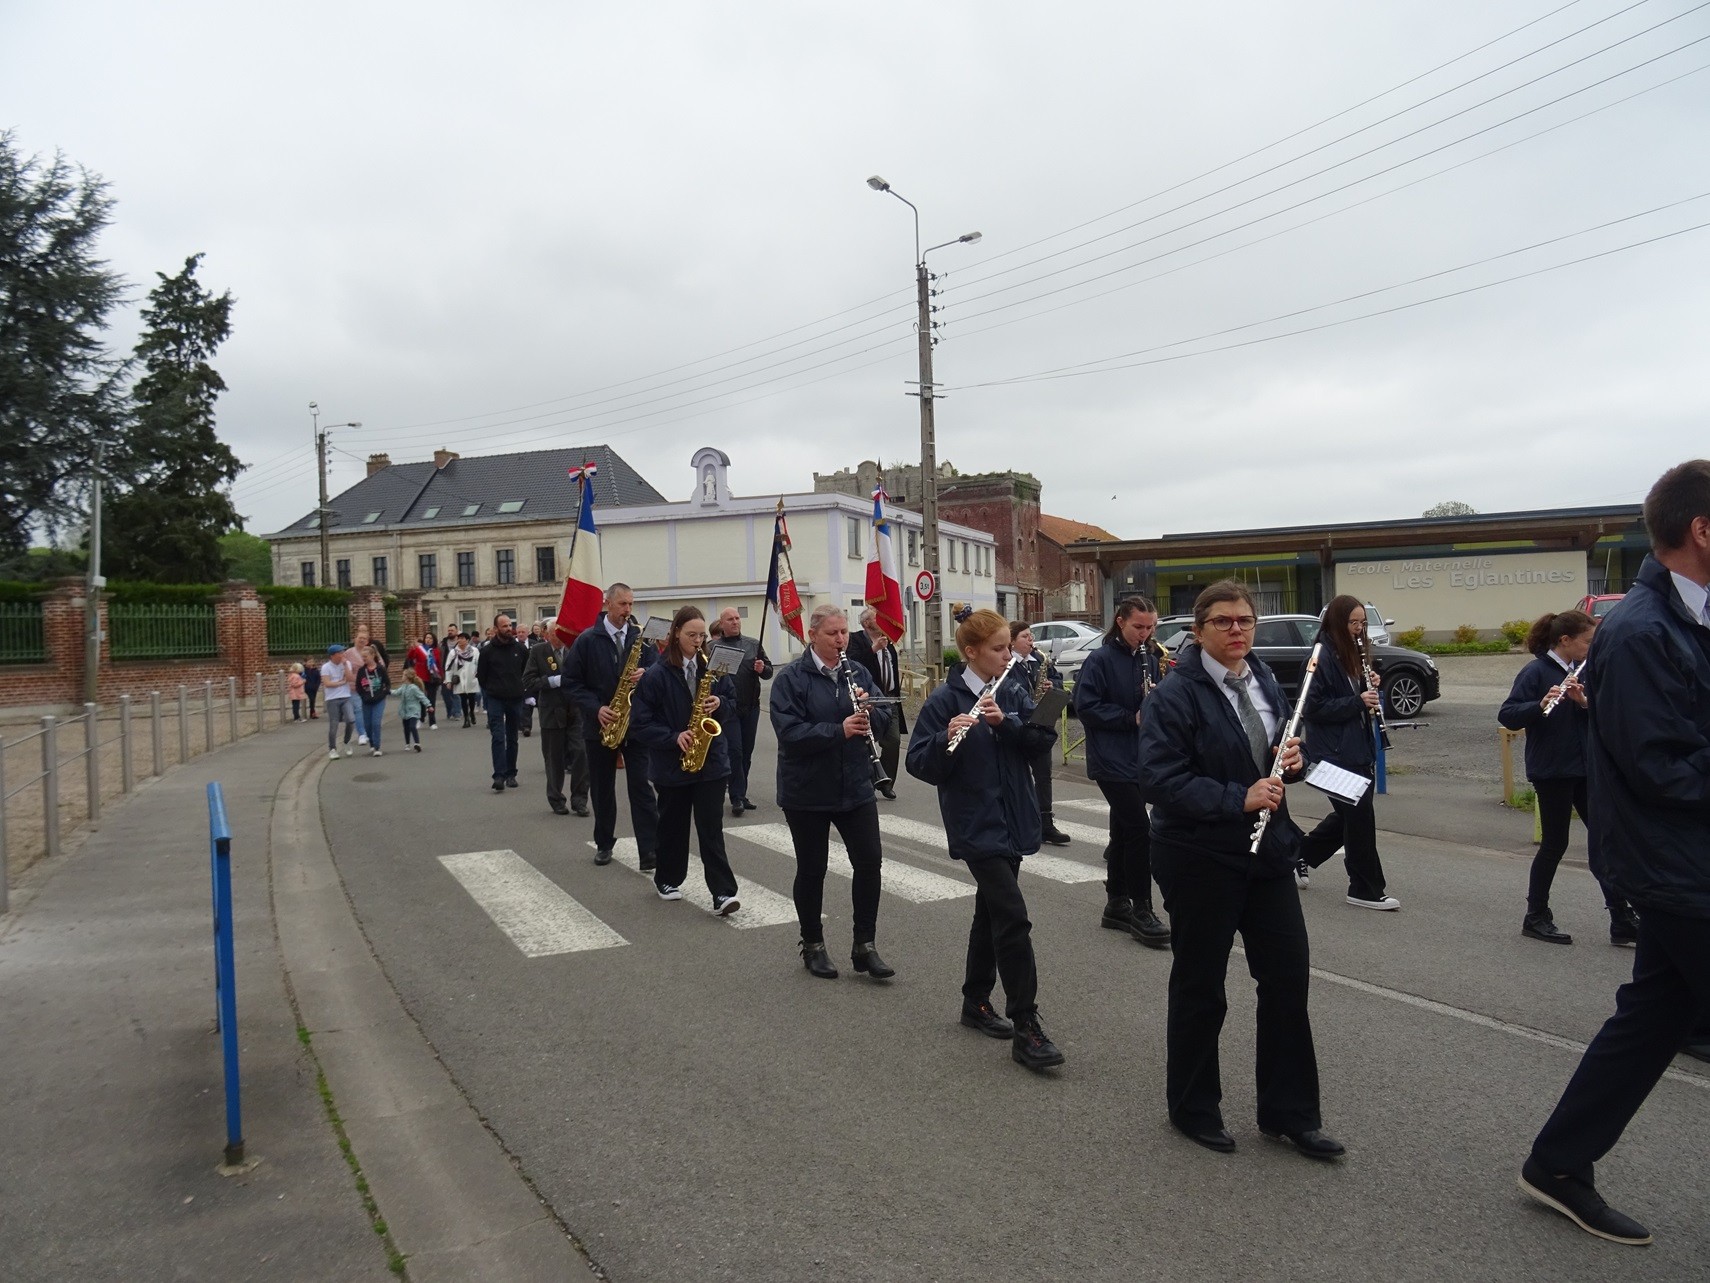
(542, 919)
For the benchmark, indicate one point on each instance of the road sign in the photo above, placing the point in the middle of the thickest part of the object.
(925, 586)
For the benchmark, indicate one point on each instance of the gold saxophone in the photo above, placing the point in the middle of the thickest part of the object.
(615, 734)
(1039, 677)
(702, 726)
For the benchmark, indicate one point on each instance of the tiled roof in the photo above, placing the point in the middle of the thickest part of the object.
(407, 492)
(1063, 531)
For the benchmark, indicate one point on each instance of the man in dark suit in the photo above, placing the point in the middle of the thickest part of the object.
(871, 648)
(744, 721)
(560, 723)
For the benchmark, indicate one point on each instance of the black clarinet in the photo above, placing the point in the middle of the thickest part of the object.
(880, 779)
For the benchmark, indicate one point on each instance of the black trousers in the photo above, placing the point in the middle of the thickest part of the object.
(703, 801)
(561, 746)
(602, 791)
(1208, 903)
(1000, 943)
(1557, 801)
(1040, 766)
(1353, 827)
(1655, 1012)
(811, 833)
(890, 746)
(1128, 858)
(432, 686)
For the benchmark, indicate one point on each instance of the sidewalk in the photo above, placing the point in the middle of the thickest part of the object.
(111, 1105)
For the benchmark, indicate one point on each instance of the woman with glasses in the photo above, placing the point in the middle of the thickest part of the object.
(1113, 681)
(1339, 729)
(1211, 737)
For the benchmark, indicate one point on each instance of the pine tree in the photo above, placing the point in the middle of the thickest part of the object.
(171, 470)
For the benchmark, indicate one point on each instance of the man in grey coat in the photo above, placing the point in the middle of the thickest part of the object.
(560, 724)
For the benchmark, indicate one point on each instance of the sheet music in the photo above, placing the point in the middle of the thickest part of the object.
(726, 659)
(1332, 779)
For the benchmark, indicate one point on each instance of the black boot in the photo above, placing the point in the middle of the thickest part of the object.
(1119, 916)
(816, 960)
(981, 1016)
(1541, 926)
(1031, 1047)
(1623, 928)
(866, 958)
(1049, 833)
(1148, 930)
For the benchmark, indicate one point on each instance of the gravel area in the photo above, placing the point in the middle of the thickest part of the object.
(1460, 739)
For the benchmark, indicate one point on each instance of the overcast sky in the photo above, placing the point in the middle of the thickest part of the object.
(502, 227)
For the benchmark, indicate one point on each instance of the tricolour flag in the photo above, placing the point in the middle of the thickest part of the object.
(884, 585)
(583, 593)
(781, 581)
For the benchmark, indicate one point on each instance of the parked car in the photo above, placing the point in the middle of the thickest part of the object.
(1173, 630)
(1409, 678)
(1377, 627)
(1057, 635)
(1600, 604)
(1069, 661)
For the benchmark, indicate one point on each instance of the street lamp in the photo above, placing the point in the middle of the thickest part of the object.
(321, 512)
(928, 442)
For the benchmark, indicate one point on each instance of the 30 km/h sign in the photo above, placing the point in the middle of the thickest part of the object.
(925, 586)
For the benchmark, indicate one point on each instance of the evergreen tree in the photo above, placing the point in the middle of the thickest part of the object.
(171, 507)
(1451, 508)
(248, 557)
(59, 385)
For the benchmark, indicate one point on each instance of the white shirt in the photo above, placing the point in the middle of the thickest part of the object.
(1693, 595)
(973, 681)
(1557, 656)
(830, 670)
(614, 632)
(1255, 692)
(335, 679)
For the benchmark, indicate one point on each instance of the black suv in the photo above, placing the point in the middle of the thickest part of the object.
(1284, 642)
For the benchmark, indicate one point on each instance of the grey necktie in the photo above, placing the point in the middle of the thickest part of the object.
(1257, 739)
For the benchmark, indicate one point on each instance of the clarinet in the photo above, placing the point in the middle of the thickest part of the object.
(880, 779)
(1287, 735)
(989, 688)
(1371, 685)
(1572, 672)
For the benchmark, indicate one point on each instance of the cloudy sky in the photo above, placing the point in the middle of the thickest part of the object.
(499, 227)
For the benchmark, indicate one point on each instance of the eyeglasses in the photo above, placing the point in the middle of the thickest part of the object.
(1229, 623)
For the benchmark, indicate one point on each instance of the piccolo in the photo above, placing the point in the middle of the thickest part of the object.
(991, 686)
(1561, 690)
(1287, 735)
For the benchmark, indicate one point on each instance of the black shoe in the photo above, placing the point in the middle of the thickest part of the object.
(1149, 931)
(528, 734)
(1314, 1144)
(1697, 1050)
(510, 781)
(748, 806)
(736, 809)
(864, 957)
(1623, 928)
(1216, 1139)
(1119, 916)
(1580, 1202)
(1540, 926)
(603, 856)
(1029, 1046)
(579, 808)
(981, 1016)
(498, 786)
(558, 808)
(1050, 834)
(649, 862)
(817, 960)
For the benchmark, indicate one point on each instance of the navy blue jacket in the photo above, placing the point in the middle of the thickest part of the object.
(819, 768)
(1648, 754)
(1196, 768)
(1337, 726)
(659, 713)
(1026, 673)
(985, 788)
(591, 670)
(1107, 696)
(1555, 745)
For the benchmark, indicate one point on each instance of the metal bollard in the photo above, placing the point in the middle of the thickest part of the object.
(260, 706)
(127, 768)
(284, 696)
(92, 762)
(232, 706)
(208, 717)
(183, 723)
(50, 788)
(154, 732)
(3, 891)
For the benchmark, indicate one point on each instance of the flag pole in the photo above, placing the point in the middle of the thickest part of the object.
(766, 604)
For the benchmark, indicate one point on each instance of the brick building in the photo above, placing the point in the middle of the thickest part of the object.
(1074, 588)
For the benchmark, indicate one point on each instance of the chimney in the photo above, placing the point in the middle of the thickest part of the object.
(443, 457)
(376, 462)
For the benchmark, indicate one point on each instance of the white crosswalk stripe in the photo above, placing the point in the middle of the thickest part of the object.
(1054, 867)
(1097, 805)
(761, 907)
(904, 880)
(538, 915)
(1085, 833)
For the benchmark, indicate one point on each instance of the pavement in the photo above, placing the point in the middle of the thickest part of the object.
(542, 1068)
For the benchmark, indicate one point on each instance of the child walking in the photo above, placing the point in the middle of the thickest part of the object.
(412, 703)
(311, 685)
(295, 685)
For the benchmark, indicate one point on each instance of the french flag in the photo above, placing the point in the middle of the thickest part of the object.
(583, 591)
(884, 585)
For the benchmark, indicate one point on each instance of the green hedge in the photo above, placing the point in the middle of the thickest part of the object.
(286, 595)
(11, 590)
(137, 593)
(1466, 648)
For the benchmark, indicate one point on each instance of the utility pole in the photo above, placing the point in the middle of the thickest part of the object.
(92, 592)
(934, 611)
(323, 512)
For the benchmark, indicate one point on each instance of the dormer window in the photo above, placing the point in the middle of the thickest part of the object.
(471, 509)
(371, 518)
(430, 514)
(512, 505)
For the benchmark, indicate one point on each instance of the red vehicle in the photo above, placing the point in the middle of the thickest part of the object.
(1599, 605)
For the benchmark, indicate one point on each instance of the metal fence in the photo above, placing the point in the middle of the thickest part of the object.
(305, 630)
(56, 776)
(148, 631)
(21, 637)
(394, 627)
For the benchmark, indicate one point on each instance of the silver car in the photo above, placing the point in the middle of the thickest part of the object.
(1054, 636)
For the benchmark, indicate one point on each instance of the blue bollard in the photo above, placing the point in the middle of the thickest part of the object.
(1382, 766)
(225, 966)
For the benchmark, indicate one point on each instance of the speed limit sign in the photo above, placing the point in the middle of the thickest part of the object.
(925, 586)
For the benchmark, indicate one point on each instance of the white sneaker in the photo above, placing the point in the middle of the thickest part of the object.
(362, 739)
(377, 753)
(333, 753)
(670, 893)
(1382, 903)
(433, 726)
(348, 750)
(725, 905)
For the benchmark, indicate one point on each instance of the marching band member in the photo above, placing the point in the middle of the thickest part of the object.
(1207, 746)
(1037, 673)
(825, 778)
(870, 647)
(1338, 721)
(1112, 682)
(663, 720)
(986, 796)
(1648, 778)
(591, 671)
(1555, 764)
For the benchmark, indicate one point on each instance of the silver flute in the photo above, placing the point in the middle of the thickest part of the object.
(990, 687)
(1287, 735)
(881, 778)
(1561, 690)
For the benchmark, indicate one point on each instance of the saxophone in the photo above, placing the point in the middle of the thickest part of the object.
(1039, 676)
(703, 727)
(615, 734)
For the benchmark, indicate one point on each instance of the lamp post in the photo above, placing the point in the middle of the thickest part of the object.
(928, 441)
(321, 512)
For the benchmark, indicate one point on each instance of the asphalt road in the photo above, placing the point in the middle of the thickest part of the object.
(696, 1107)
